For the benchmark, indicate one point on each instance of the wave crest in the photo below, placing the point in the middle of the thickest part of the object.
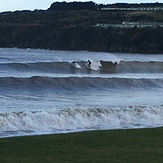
(81, 119)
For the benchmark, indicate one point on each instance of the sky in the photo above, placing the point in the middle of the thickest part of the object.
(13, 5)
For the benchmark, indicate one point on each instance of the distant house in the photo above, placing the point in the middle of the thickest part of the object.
(133, 8)
(132, 25)
(142, 24)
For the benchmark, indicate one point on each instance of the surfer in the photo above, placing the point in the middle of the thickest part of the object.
(74, 63)
(88, 63)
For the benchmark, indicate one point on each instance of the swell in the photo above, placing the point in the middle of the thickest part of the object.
(76, 83)
(101, 67)
(39, 66)
(133, 67)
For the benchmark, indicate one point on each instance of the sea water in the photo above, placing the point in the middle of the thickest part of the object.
(43, 92)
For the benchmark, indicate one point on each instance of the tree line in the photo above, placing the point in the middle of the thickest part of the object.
(58, 6)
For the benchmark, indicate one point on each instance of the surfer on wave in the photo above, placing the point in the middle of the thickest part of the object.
(76, 65)
(88, 64)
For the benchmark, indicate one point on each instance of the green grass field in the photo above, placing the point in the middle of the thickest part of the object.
(131, 146)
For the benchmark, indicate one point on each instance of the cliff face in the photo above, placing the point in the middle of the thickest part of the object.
(76, 30)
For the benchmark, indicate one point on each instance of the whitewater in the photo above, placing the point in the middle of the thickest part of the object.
(48, 92)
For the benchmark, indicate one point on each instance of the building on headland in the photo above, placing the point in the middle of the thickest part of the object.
(133, 8)
(132, 25)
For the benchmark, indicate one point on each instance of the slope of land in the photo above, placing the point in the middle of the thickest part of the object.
(77, 30)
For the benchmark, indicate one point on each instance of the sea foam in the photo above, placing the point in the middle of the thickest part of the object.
(72, 119)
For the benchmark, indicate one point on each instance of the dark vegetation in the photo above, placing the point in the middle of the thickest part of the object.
(57, 6)
(139, 145)
(71, 26)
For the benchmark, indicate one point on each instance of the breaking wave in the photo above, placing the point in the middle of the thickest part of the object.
(73, 119)
(100, 66)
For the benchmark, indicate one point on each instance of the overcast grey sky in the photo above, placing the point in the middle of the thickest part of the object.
(12, 5)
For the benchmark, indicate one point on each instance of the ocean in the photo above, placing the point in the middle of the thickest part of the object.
(44, 92)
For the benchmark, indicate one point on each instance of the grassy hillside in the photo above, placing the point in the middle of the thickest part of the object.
(76, 30)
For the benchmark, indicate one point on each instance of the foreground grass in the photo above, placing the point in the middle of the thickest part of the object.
(140, 145)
